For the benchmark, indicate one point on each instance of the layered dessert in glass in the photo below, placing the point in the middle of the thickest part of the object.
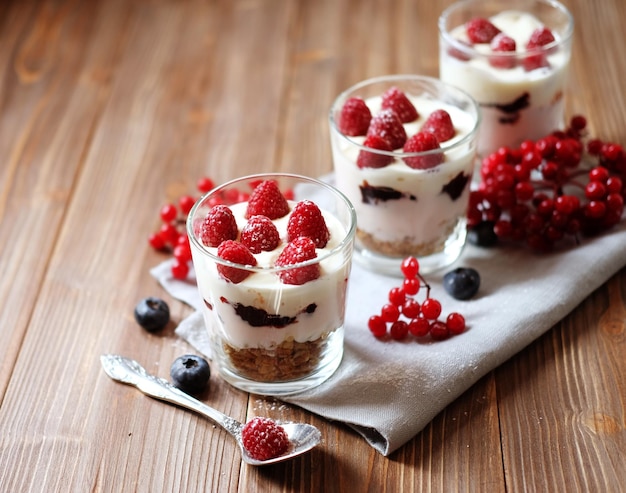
(272, 256)
(404, 149)
(512, 56)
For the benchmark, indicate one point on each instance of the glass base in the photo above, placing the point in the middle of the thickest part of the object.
(327, 366)
(390, 266)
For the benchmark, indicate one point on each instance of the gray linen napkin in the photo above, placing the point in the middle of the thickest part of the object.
(389, 391)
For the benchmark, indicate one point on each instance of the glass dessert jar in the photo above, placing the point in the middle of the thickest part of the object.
(272, 255)
(512, 56)
(404, 148)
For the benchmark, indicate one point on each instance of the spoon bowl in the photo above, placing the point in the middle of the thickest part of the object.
(302, 436)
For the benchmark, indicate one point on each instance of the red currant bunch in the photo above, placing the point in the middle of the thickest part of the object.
(404, 314)
(171, 236)
(550, 190)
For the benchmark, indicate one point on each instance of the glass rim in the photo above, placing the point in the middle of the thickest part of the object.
(470, 51)
(407, 77)
(347, 238)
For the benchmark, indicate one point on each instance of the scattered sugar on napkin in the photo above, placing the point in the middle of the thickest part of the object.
(388, 391)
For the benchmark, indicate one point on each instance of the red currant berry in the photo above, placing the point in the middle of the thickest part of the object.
(205, 185)
(186, 203)
(169, 233)
(524, 190)
(396, 296)
(614, 185)
(399, 330)
(595, 190)
(389, 313)
(419, 327)
(595, 209)
(156, 241)
(180, 269)
(566, 204)
(578, 122)
(182, 252)
(599, 173)
(455, 323)
(168, 213)
(594, 147)
(439, 331)
(410, 267)
(431, 308)
(377, 325)
(410, 309)
(411, 286)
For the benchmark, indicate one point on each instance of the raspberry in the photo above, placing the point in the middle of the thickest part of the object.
(371, 160)
(420, 142)
(480, 30)
(237, 253)
(540, 37)
(440, 125)
(264, 439)
(395, 100)
(503, 44)
(260, 234)
(354, 118)
(307, 220)
(267, 200)
(299, 250)
(218, 225)
(387, 125)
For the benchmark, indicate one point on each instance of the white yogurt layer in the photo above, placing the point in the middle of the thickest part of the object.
(430, 215)
(265, 291)
(491, 86)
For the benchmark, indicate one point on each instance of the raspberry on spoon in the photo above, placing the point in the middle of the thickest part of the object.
(264, 439)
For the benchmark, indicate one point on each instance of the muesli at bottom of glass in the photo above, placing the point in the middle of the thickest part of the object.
(268, 336)
(408, 203)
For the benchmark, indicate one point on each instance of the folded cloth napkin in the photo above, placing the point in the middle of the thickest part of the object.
(389, 390)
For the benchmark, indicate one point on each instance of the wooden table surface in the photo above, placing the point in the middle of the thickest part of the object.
(109, 109)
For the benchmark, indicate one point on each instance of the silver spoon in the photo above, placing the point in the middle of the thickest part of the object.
(303, 437)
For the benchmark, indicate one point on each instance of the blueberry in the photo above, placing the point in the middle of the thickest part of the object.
(482, 234)
(462, 283)
(190, 373)
(152, 314)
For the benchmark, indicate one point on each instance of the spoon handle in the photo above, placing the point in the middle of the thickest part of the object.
(130, 372)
